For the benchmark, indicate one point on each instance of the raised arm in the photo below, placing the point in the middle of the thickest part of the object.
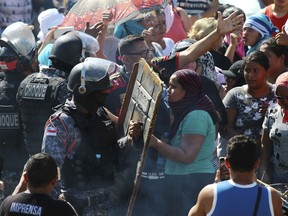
(197, 49)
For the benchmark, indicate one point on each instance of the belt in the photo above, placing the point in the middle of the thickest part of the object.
(153, 175)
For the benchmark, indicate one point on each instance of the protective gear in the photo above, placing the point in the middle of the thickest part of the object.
(22, 45)
(79, 44)
(11, 133)
(90, 145)
(38, 93)
(14, 52)
(90, 76)
(8, 59)
(11, 143)
(19, 41)
(96, 155)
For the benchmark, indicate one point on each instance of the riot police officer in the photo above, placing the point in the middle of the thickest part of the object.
(17, 59)
(42, 91)
(83, 140)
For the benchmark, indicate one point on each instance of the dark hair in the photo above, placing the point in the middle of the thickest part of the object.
(41, 169)
(259, 57)
(126, 44)
(277, 49)
(242, 153)
(227, 10)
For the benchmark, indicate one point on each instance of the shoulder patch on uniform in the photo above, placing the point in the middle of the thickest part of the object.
(50, 131)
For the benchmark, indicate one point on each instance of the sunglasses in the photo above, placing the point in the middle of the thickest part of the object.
(281, 97)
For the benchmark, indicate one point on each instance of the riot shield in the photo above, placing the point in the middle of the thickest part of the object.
(141, 104)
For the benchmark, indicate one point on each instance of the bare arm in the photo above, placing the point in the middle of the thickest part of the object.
(197, 49)
(186, 22)
(106, 18)
(96, 32)
(189, 147)
(266, 152)
(204, 202)
(230, 52)
(230, 131)
(277, 202)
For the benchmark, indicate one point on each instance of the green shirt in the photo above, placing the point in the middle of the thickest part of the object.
(195, 122)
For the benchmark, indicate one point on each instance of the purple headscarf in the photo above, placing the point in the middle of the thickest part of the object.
(194, 98)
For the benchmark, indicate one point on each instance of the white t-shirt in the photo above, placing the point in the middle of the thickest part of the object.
(169, 46)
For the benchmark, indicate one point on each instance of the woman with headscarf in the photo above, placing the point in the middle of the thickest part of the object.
(192, 136)
(274, 149)
(256, 29)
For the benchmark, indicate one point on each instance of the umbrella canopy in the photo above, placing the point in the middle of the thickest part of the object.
(91, 11)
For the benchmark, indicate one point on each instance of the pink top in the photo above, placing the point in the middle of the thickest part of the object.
(176, 32)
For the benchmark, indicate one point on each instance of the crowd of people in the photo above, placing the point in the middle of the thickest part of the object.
(225, 94)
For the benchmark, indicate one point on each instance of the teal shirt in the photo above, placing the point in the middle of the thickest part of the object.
(195, 122)
(43, 57)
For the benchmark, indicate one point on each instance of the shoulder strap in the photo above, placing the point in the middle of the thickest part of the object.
(257, 200)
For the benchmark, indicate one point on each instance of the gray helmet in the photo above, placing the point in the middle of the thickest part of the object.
(90, 76)
(19, 37)
(73, 47)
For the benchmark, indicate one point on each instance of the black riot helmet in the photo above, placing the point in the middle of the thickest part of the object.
(18, 40)
(72, 48)
(90, 76)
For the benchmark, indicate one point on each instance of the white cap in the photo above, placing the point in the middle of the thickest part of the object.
(47, 19)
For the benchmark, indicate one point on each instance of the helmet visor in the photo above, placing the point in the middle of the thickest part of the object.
(102, 65)
(96, 70)
(20, 37)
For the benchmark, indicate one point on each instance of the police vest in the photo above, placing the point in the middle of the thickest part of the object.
(36, 97)
(93, 165)
(9, 110)
(11, 139)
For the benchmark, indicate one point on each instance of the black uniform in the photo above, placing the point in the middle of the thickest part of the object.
(10, 123)
(35, 204)
(85, 148)
(37, 95)
(12, 148)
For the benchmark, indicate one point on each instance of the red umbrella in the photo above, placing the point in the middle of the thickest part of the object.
(91, 11)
